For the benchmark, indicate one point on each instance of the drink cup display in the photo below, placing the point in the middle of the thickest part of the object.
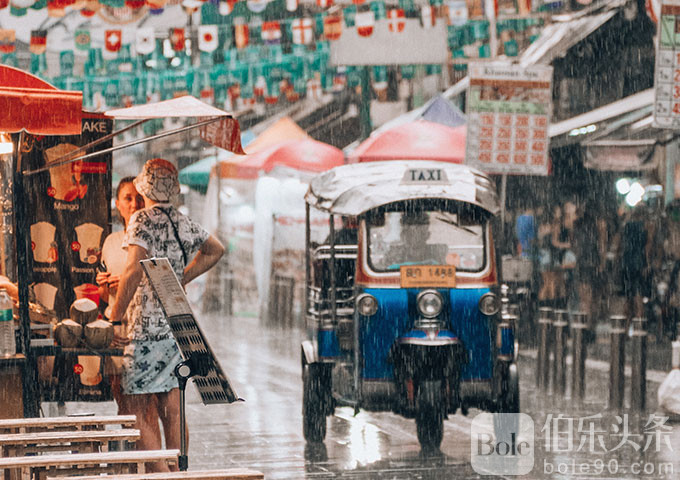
(65, 179)
(42, 242)
(89, 238)
(87, 290)
(45, 294)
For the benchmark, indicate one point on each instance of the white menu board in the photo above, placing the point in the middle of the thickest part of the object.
(667, 68)
(508, 113)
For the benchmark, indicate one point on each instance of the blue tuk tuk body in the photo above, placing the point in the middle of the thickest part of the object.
(403, 314)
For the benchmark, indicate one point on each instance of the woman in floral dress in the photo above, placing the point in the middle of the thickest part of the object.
(151, 354)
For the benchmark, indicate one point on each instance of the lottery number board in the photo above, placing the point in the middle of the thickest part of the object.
(508, 114)
(667, 71)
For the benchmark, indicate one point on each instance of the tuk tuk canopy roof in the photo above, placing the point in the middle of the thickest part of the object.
(356, 188)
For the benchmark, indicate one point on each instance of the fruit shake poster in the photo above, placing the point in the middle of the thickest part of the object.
(69, 213)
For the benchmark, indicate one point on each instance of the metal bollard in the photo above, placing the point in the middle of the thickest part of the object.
(617, 360)
(560, 326)
(578, 365)
(638, 359)
(543, 367)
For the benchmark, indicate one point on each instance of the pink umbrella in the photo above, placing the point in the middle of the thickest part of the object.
(306, 154)
(417, 140)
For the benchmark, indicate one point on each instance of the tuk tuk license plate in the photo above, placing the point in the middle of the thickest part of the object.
(435, 276)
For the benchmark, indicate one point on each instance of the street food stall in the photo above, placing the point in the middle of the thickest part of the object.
(56, 179)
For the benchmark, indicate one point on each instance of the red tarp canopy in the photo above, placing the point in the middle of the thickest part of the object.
(418, 140)
(31, 104)
(306, 154)
(280, 131)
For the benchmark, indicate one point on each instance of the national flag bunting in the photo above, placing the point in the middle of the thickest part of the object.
(349, 15)
(271, 33)
(397, 20)
(38, 43)
(113, 40)
(364, 22)
(303, 32)
(241, 35)
(177, 39)
(332, 27)
(428, 16)
(145, 41)
(208, 38)
(7, 40)
(324, 3)
(256, 6)
(457, 12)
(378, 8)
(82, 39)
(22, 3)
(227, 6)
(260, 87)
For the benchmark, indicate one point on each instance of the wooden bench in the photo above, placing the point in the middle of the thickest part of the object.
(40, 466)
(228, 474)
(81, 441)
(89, 422)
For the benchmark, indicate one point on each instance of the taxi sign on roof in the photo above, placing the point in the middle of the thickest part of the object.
(424, 175)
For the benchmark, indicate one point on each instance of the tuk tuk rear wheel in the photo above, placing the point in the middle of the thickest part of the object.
(430, 414)
(313, 407)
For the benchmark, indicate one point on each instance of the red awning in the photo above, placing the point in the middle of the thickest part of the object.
(31, 104)
(418, 140)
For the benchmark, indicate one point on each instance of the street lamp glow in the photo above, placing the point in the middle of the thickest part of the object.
(623, 186)
(635, 194)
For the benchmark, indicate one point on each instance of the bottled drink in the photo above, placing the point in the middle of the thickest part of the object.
(8, 345)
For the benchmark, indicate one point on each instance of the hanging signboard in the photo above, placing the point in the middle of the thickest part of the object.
(667, 68)
(384, 45)
(70, 215)
(508, 114)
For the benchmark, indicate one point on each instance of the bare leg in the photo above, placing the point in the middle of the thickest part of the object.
(168, 409)
(145, 407)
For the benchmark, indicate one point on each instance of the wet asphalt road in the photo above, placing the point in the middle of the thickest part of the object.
(265, 432)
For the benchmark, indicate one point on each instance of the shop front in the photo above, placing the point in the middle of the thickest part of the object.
(56, 197)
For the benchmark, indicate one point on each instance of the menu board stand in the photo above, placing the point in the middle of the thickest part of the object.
(199, 361)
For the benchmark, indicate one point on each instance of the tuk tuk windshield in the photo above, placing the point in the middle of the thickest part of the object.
(425, 238)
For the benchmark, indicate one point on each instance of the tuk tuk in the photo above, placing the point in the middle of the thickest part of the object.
(402, 305)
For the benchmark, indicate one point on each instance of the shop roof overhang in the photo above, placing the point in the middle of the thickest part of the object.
(603, 120)
(33, 105)
(555, 39)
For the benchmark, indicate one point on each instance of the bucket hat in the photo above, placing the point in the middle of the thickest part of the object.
(158, 180)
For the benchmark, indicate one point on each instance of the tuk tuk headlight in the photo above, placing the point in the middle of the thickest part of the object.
(367, 305)
(489, 304)
(429, 303)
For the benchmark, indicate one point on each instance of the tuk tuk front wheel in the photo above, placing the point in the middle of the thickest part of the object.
(313, 404)
(430, 414)
(509, 401)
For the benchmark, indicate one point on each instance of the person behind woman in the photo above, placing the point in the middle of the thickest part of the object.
(128, 201)
(151, 354)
